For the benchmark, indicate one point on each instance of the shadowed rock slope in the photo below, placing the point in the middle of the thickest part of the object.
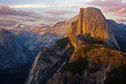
(119, 33)
(49, 61)
(94, 64)
(12, 54)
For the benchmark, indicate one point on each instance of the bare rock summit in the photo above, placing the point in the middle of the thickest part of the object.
(92, 21)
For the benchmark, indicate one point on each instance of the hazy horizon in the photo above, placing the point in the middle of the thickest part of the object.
(29, 12)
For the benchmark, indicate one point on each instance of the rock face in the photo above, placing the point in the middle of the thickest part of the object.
(94, 63)
(92, 68)
(49, 61)
(91, 21)
(12, 55)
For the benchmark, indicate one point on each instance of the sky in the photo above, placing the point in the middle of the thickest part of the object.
(32, 12)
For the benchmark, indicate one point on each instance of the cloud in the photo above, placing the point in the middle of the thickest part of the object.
(57, 12)
(6, 10)
(105, 3)
(28, 17)
(29, 20)
(54, 20)
(7, 23)
(121, 12)
(116, 7)
(30, 6)
(42, 5)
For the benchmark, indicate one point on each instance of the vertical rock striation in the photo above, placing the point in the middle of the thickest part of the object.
(91, 21)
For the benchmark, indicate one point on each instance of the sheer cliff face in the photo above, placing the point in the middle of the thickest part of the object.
(49, 61)
(91, 21)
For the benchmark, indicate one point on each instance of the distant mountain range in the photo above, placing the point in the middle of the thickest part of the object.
(36, 36)
(12, 54)
(20, 45)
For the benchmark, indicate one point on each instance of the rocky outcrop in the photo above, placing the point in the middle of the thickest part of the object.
(91, 21)
(94, 64)
(49, 61)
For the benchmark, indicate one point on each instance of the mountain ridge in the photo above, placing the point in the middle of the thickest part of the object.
(12, 53)
(63, 73)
